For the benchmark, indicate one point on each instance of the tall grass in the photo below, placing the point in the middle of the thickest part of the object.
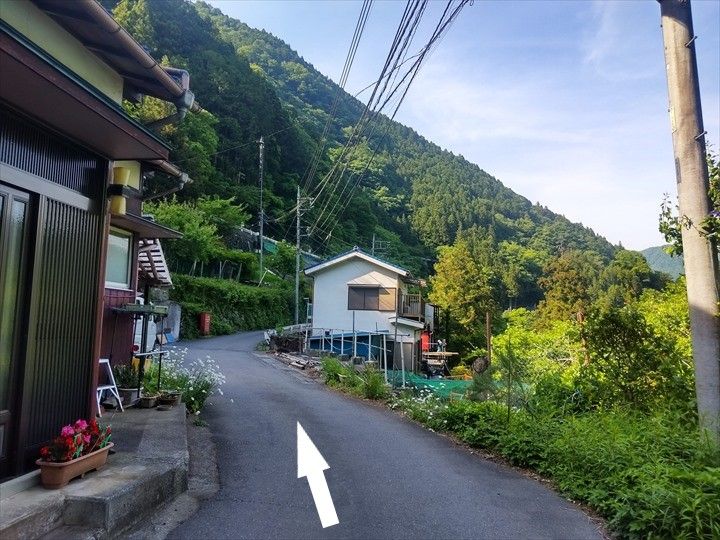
(368, 382)
(650, 475)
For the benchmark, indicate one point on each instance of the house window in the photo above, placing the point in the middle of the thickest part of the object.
(367, 298)
(371, 298)
(119, 258)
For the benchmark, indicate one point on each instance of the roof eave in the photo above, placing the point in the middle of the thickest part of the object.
(355, 253)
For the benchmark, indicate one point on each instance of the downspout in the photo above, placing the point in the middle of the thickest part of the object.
(183, 180)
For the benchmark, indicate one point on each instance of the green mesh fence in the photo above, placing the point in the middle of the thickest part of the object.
(440, 387)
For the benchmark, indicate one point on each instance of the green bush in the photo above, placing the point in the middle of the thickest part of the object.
(633, 364)
(125, 376)
(233, 307)
(373, 384)
(332, 370)
(370, 383)
(649, 475)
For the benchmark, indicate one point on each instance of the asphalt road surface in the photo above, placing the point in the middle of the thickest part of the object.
(389, 478)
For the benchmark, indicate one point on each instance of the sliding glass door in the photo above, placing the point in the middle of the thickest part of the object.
(14, 213)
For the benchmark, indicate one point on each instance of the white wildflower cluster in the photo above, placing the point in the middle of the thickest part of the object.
(421, 404)
(196, 379)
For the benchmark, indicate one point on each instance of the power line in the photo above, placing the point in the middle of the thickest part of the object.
(359, 28)
(442, 26)
(231, 147)
(412, 14)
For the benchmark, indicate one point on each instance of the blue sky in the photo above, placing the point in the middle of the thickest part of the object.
(565, 102)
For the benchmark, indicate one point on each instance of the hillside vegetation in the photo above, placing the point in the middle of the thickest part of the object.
(414, 195)
(660, 261)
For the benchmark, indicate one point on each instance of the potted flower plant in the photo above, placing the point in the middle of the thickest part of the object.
(126, 378)
(81, 447)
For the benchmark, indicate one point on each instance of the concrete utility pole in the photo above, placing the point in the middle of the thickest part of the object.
(298, 214)
(261, 217)
(297, 257)
(701, 264)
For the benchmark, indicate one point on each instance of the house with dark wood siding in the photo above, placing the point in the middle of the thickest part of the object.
(72, 168)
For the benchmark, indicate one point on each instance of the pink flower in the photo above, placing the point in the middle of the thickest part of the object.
(86, 439)
(81, 425)
(67, 431)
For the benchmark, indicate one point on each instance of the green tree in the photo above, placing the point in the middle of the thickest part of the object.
(520, 268)
(200, 240)
(465, 282)
(624, 279)
(223, 214)
(671, 223)
(135, 17)
(633, 364)
(570, 284)
(282, 262)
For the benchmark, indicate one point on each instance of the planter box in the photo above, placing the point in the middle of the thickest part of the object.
(56, 475)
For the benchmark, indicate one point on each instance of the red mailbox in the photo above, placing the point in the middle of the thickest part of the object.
(204, 320)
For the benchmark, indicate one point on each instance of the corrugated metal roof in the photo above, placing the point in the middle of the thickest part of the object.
(356, 252)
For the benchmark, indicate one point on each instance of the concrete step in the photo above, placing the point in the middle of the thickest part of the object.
(149, 469)
(123, 494)
(30, 514)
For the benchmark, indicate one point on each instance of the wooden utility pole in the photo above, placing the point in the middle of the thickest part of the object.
(261, 217)
(701, 264)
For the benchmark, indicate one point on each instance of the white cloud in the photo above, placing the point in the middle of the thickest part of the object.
(614, 45)
(606, 166)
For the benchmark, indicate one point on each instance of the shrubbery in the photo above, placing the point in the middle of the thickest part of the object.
(368, 382)
(650, 476)
(234, 307)
(602, 406)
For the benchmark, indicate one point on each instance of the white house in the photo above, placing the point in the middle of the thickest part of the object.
(360, 300)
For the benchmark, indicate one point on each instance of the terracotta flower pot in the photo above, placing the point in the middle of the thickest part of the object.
(56, 475)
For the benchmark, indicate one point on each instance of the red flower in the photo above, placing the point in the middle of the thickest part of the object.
(79, 439)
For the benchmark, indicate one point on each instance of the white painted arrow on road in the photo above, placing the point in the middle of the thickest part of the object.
(311, 464)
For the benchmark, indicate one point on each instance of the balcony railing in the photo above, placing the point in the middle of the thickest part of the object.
(412, 305)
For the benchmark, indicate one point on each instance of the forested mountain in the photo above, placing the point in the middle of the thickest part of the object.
(660, 261)
(413, 194)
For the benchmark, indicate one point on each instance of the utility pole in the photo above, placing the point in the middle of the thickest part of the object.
(379, 247)
(297, 257)
(298, 214)
(261, 218)
(701, 264)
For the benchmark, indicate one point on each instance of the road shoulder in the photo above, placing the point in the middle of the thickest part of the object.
(203, 484)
